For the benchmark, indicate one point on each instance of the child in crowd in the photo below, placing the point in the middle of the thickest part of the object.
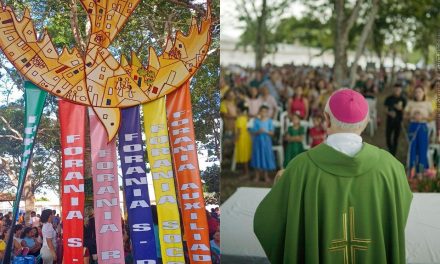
(263, 158)
(28, 240)
(317, 132)
(243, 142)
(215, 247)
(294, 137)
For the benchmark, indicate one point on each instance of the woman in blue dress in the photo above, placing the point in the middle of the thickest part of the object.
(263, 158)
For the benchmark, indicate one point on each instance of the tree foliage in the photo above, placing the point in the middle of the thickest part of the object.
(406, 28)
(260, 26)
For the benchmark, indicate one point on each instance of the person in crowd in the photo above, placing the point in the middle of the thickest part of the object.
(86, 255)
(2, 243)
(395, 104)
(243, 142)
(268, 100)
(56, 219)
(18, 249)
(7, 222)
(281, 90)
(28, 240)
(317, 133)
(315, 97)
(370, 88)
(228, 111)
(298, 103)
(35, 220)
(128, 256)
(38, 235)
(48, 249)
(215, 212)
(294, 137)
(419, 112)
(21, 218)
(215, 247)
(253, 102)
(224, 87)
(272, 90)
(213, 224)
(89, 233)
(257, 80)
(262, 159)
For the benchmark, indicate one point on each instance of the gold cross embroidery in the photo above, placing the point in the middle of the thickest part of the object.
(349, 246)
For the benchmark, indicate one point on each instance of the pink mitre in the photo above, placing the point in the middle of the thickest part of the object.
(348, 106)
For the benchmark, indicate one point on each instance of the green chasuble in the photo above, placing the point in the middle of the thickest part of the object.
(332, 208)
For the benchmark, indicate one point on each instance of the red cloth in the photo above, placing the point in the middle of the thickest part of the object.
(213, 225)
(297, 104)
(317, 134)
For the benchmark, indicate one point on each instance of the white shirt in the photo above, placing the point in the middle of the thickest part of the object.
(348, 143)
(35, 221)
(49, 232)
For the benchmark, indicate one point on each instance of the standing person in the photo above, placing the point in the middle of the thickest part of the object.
(419, 112)
(268, 100)
(243, 142)
(298, 103)
(395, 104)
(317, 132)
(56, 219)
(21, 219)
(2, 243)
(294, 137)
(215, 247)
(262, 155)
(48, 250)
(35, 220)
(344, 201)
(253, 102)
(89, 233)
(228, 111)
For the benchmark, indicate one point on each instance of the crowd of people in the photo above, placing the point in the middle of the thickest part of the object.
(284, 106)
(40, 236)
(36, 236)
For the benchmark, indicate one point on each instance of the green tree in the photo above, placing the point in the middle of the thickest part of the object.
(259, 29)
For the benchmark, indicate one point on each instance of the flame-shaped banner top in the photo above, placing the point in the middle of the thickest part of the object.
(97, 79)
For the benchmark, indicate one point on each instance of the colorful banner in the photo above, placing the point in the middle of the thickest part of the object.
(137, 199)
(108, 224)
(72, 125)
(34, 103)
(159, 158)
(186, 167)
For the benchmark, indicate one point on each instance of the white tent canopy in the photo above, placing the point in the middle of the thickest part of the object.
(239, 244)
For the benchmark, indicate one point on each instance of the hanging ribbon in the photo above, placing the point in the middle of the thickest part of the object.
(186, 167)
(72, 124)
(135, 184)
(34, 103)
(108, 221)
(161, 168)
